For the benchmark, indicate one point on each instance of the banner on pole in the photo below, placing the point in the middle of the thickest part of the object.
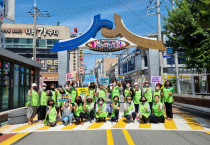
(89, 78)
(83, 91)
(104, 80)
(155, 79)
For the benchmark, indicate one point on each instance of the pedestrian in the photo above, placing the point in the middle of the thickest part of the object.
(144, 110)
(157, 115)
(92, 91)
(79, 109)
(168, 92)
(101, 112)
(147, 92)
(73, 91)
(129, 109)
(128, 91)
(51, 116)
(67, 90)
(102, 92)
(89, 109)
(157, 91)
(115, 111)
(53, 92)
(43, 102)
(115, 90)
(67, 114)
(59, 104)
(33, 103)
(136, 98)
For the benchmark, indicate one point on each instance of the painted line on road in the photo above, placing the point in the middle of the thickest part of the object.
(69, 127)
(97, 124)
(22, 127)
(14, 138)
(208, 132)
(109, 137)
(191, 122)
(170, 124)
(142, 125)
(5, 127)
(128, 137)
(121, 123)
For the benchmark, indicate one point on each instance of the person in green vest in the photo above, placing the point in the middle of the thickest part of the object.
(147, 92)
(129, 109)
(102, 92)
(136, 98)
(157, 115)
(101, 112)
(157, 91)
(115, 111)
(128, 91)
(144, 110)
(168, 92)
(67, 89)
(89, 109)
(43, 102)
(59, 104)
(92, 91)
(33, 102)
(79, 109)
(115, 90)
(53, 92)
(73, 92)
(51, 117)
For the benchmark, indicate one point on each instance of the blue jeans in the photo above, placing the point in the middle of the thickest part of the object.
(67, 119)
(128, 117)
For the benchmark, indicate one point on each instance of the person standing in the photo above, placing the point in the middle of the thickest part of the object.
(129, 109)
(115, 90)
(144, 110)
(136, 98)
(147, 92)
(53, 92)
(102, 93)
(128, 91)
(92, 91)
(33, 103)
(73, 92)
(168, 92)
(157, 91)
(59, 104)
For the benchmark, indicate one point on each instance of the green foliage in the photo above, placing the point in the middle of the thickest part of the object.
(187, 28)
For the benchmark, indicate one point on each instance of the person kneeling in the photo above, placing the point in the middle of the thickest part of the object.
(51, 116)
(67, 113)
(116, 106)
(101, 112)
(129, 111)
(89, 109)
(144, 110)
(79, 109)
(157, 116)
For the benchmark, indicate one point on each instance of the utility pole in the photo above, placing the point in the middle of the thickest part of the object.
(34, 40)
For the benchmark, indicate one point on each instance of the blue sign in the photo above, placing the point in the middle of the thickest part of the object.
(89, 78)
(104, 80)
(166, 56)
(119, 79)
(98, 24)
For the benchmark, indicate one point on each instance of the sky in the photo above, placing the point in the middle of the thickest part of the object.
(79, 14)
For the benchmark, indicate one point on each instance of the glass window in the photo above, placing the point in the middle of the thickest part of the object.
(8, 40)
(5, 96)
(16, 86)
(15, 40)
(29, 41)
(27, 86)
(125, 67)
(145, 61)
(131, 64)
(22, 82)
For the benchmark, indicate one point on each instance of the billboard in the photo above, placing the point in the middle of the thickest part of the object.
(1, 10)
(9, 12)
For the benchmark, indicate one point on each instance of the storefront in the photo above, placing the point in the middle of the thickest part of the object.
(17, 73)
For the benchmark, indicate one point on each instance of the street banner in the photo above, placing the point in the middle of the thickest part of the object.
(155, 79)
(89, 78)
(119, 79)
(64, 97)
(83, 91)
(70, 77)
(116, 71)
(1, 10)
(104, 80)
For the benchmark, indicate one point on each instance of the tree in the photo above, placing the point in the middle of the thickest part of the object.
(187, 28)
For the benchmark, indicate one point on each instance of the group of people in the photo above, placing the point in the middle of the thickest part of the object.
(139, 103)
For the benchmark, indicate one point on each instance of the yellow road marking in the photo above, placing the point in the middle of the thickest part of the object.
(191, 122)
(208, 132)
(170, 124)
(70, 126)
(96, 124)
(110, 140)
(128, 137)
(22, 127)
(14, 138)
(142, 125)
(43, 128)
(121, 123)
(5, 127)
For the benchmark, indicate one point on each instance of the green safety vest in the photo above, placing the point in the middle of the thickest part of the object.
(91, 94)
(168, 98)
(143, 111)
(137, 97)
(148, 94)
(127, 93)
(157, 93)
(44, 98)
(130, 108)
(155, 108)
(115, 92)
(54, 97)
(102, 94)
(52, 114)
(59, 103)
(88, 107)
(73, 95)
(103, 114)
(79, 109)
(113, 112)
(34, 98)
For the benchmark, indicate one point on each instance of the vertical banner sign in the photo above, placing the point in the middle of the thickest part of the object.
(116, 71)
(83, 91)
(70, 77)
(89, 78)
(1, 10)
(155, 79)
(104, 80)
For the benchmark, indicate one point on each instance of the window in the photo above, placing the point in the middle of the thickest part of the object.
(15, 40)
(131, 64)
(6, 78)
(29, 41)
(125, 68)
(16, 86)
(27, 83)
(22, 82)
(145, 61)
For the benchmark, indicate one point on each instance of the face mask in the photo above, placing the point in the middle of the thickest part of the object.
(34, 88)
(128, 101)
(167, 84)
(136, 87)
(51, 104)
(157, 88)
(147, 85)
(115, 100)
(66, 88)
(156, 100)
(89, 101)
(100, 102)
(114, 84)
(127, 85)
(52, 89)
(43, 88)
(74, 86)
(143, 100)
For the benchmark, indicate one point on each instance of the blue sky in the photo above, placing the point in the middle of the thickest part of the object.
(79, 14)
